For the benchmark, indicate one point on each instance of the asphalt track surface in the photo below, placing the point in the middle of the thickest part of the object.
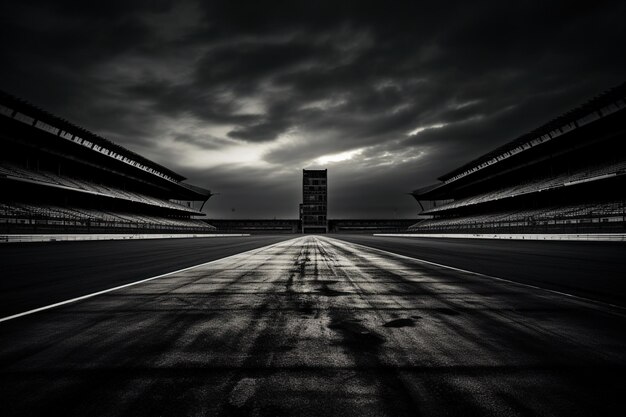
(37, 274)
(595, 270)
(315, 326)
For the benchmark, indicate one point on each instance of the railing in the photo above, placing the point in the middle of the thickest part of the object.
(35, 216)
(24, 223)
(575, 222)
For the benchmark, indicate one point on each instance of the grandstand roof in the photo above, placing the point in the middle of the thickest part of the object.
(427, 189)
(61, 124)
(198, 190)
(572, 119)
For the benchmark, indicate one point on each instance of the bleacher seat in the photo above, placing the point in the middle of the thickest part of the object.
(50, 214)
(82, 185)
(613, 211)
(535, 185)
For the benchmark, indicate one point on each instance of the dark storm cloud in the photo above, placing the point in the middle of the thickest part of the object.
(334, 77)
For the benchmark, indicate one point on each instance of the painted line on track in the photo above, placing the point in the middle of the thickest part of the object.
(577, 297)
(130, 284)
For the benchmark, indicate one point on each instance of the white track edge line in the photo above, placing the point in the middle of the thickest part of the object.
(130, 284)
(589, 300)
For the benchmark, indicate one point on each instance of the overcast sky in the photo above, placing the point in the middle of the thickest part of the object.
(241, 97)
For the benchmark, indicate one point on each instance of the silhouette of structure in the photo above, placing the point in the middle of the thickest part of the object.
(314, 207)
(567, 176)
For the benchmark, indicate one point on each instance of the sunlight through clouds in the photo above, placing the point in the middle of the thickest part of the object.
(423, 128)
(338, 157)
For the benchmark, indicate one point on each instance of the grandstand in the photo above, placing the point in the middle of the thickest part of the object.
(567, 176)
(59, 178)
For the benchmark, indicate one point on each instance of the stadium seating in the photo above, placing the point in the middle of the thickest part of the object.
(565, 176)
(23, 213)
(84, 183)
(537, 185)
(14, 171)
(607, 212)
